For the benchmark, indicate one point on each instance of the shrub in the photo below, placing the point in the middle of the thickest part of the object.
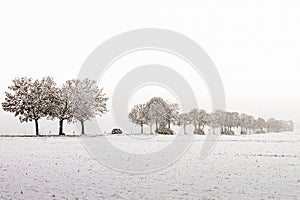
(165, 131)
(260, 131)
(199, 132)
(228, 133)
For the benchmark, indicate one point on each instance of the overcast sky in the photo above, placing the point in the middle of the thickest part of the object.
(255, 45)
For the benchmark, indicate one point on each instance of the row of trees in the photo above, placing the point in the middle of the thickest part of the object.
(74, 101)
(155, 112)
(81, 100)
(162, 113)
(247, 123)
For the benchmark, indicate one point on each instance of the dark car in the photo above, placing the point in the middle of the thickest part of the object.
(116, 131)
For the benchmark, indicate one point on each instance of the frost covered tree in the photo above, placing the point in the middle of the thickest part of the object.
(274, 125)
(261, 124)
(232, 120)
(213, 121)
(251, 123)
(162, 113)
(88, 100)
(30, 100)
(286, 125)
(217, 119)
(139, 115)
(203, 119)
(194, 117)
(290, 125)
(247, 123)
(157, 112)
(172, 113)
(282, 125)
(199, 118)
(220, 115)
(244, 123)
(78, 100)
(184, 120)
(63, 105)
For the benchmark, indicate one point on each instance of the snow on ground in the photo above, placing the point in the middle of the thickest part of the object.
(240, 167)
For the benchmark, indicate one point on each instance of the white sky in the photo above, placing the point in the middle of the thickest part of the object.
(254, 44)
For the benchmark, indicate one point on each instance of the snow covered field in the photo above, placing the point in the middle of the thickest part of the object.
(240, 167)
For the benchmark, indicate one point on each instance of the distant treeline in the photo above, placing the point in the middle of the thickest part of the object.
(162, 114)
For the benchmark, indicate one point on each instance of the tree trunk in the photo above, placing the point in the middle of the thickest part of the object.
(202, 128)
(61, 124)
(82, 127)
(169, 124)
(151, 131)
(184, 129)
(142, 131)
(36, 127)
(156, 127)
